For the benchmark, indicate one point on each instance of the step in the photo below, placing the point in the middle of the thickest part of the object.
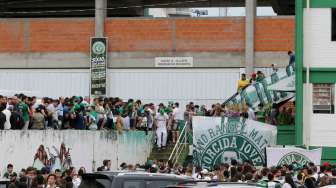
(156, 150)
(161, 155)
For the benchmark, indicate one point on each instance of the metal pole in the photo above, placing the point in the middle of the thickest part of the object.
(309, 93)
(250, 16)
(100, 14)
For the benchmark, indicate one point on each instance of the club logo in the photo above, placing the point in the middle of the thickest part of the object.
(230, 140)
(98, 47)
(294, 158)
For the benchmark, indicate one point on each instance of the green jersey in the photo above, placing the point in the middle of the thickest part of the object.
(24, 110)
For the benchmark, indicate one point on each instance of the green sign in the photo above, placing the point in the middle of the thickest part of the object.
(297, 157)
(219, 140)
(98, 61)
(294, 158)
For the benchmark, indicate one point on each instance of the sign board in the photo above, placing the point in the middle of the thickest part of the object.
(296, 156)
(98, 61)
(174, 62)
(219, 140)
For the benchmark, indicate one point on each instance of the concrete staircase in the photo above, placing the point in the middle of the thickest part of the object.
(162, 155)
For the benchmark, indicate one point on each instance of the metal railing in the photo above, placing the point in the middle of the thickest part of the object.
(180, 146)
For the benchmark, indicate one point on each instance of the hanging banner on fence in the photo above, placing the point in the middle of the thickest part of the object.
(287, 84)
(98, 61)
(295, 156)
(219, 140)
(273, 89)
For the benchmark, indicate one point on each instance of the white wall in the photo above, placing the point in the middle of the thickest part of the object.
(319, 129)
(41, 83)
(204, 86)
(319, 50)
(86, 146)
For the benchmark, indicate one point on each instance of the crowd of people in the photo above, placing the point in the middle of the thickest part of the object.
(285, 176)
(43, 178)
(23, 112)
(27, 112)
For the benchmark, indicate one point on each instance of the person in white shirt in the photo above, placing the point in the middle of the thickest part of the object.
(8, 114)
(178, 119)
(161, 131)
(52, 113)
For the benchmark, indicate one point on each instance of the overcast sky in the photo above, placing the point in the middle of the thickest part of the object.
(237, 11)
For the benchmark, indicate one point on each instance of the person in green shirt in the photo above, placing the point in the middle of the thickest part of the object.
(23, 110)
(9, 171)
(260, 76)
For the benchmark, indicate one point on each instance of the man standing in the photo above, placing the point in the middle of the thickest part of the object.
(161, 131)
(178, 121)
(291, 57)
(52, 113)
(9, 171)
(7, 113)
(2, 116)
(107, 165)
(260, 76)
(243, 82)
(13, 181)
(23, 110)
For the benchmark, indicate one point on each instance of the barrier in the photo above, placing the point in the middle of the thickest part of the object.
(86, 148)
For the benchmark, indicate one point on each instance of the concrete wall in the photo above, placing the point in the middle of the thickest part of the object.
(149, 85)
(318, 129)
(135, 42)
(86, 146)
(319, 51)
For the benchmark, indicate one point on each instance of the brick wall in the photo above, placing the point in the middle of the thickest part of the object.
(129, 35)
(11, 36)
(275, 34)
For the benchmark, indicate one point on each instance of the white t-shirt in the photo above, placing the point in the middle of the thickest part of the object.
(7, 124)
(126, 121)
(177, 114)
(161, 121)
(52, 110)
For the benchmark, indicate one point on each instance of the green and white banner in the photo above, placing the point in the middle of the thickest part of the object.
(98, 61)
(218, 140)
(276, 88)
(292, 155)
(286, 85)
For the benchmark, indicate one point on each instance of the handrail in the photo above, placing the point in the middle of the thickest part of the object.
(178, 144)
